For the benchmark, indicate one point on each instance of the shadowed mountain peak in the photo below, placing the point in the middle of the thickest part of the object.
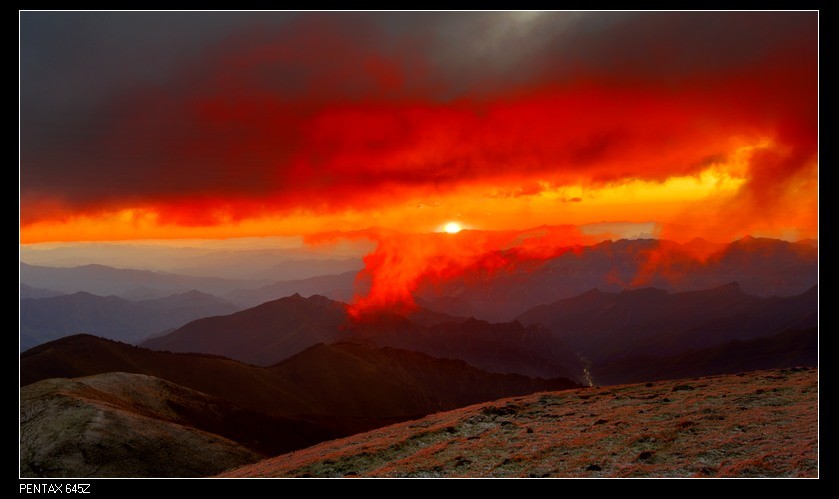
(264, 334)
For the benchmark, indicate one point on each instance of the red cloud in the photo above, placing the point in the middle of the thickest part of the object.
(401, 262)
(328, 116)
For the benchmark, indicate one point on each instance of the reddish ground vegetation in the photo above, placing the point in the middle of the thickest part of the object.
(757, 424)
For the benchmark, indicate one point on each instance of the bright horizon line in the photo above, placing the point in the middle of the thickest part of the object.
(586, 228)
(300, 240)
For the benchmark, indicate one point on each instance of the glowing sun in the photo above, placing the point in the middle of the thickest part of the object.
(452, 228)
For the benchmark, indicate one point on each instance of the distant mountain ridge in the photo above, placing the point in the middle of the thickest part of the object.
(46, 319)
(30, 292)
(553, 340)
(340, 287)
(126, 283)
(787, 349)
(276, 330)
(653, 322)
(262, 258)
(262, 335)
(502, 348)
(307, 268)
(762, 267)
(610, 266)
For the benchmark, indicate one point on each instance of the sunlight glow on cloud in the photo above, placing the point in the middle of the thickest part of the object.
(506, 120)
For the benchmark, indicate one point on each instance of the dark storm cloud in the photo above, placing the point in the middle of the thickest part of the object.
(74, 65)
(121, 109)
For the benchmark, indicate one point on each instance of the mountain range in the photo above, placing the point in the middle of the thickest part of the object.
(506, 347)
(612, 266)
(787, 349)
(30, 292)
(602, 326)
(229, 372)
(569, 338)
(276, 330)
(45, 319)
(341, 287)
(262, 335)
(261, 258)
(126, 283)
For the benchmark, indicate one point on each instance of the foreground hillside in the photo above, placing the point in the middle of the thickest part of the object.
(123, 425)
(762, 423)
(128, 411)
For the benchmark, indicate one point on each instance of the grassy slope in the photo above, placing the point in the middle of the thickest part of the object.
(762, 423)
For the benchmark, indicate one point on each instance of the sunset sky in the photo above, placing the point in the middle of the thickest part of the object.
(219, 125)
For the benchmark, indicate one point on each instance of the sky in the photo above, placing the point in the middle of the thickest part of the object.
(329, 125)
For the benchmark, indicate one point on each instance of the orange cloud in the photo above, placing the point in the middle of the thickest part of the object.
(340, 126)
(401, 262)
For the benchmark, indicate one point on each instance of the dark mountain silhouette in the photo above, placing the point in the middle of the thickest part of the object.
(276, 330)
(358, 380)
(502, 348)
(262, 335)
(787, 349)
(654, 322)
(612, 266)
(596, 325)
(126, 283)
(45, 319)
(425, 316)
(336, 382)
(85, 355)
